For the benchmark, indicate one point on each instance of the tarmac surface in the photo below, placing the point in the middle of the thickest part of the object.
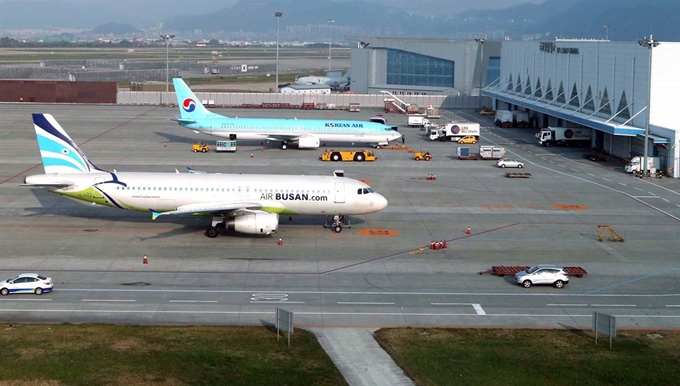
(370, 276)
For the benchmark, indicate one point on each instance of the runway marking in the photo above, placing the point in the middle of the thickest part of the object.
(367, 303)
(613, 305)
(193, 301)
(672, 305)
(567, 305)
(645, 196)
(451, 304)
(665, 200)
(274, 302)
(607, 179)
(378, 232)
(393, 293)
(622, 184)
(590, 174)
(109, 300)
(632, 280)
(26, 300)
(635, 187)
(478, 308)
(570, 207)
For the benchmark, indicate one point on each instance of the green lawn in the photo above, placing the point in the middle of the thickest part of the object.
(149, 355)
(533, 357)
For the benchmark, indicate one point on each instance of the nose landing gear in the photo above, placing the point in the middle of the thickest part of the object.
(337, 222)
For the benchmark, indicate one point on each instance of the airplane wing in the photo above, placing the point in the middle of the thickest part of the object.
(211, 208)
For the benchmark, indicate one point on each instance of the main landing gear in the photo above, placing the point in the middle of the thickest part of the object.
(214, 230)
(284, 145)
(337, 222)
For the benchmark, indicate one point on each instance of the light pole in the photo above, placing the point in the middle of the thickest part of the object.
(481, 42)
(167, 65)
(277, 15)
(330, 41)
(606, 32)
(649, 44)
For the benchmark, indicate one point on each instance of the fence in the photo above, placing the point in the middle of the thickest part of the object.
(340, 101)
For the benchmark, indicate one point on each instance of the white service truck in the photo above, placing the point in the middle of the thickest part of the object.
(416, 120)
(636, 164)
(520, 118)
(454, 131)
(503, 118)
(565, 136)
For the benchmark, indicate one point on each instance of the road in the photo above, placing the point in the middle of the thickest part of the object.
(373, 274)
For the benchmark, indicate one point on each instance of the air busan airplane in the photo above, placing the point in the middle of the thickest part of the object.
(307, 133)
(246, 203)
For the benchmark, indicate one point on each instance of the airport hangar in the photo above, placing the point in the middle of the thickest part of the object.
(599, 84)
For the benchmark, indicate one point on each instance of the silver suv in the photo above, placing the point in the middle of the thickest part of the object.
(543, 274)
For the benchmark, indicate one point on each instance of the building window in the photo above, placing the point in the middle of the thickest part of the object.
(561, 98)
(539, 93)
(549, 92)
(605, 105)
(574, 99)
(527, 87)
(589, 103)
(623, 110)
(510, 87)
(493, 71)
(410, 69)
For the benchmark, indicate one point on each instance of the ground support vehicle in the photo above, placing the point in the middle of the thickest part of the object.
(517, 175)
(520, 118)
(348, 155)
(432, 113)
(503, 118)
(416, 120)
(200, 147)
(486, 152)
(229, 146)
(454, 131)
(486, 111)
(565, 136)
(30, 283)
(509, 163)
(422, 156)
(636, 164)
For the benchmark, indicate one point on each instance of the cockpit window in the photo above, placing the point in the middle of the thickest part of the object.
(370, 190)
(359, 191)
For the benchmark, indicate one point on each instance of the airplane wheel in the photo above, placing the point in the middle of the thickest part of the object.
(212, 232)
(284, 146)
(337, 228)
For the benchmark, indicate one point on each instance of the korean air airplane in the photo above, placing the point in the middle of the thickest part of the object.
(246, 203)
(306, 133)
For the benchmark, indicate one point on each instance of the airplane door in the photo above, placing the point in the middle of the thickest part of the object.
(339, 192)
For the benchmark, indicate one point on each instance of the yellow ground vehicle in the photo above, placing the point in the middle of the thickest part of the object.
(486, 111)
(348, 155)
(468, 139)
(420, 155)
(200, 146)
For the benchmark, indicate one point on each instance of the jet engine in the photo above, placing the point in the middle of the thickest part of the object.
(255, 224)
(308, 142)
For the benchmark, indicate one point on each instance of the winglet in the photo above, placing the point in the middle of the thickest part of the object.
(154, 214)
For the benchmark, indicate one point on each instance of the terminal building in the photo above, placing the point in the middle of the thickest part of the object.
(597, 84)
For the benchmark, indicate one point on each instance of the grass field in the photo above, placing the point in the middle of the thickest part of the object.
(146, 355)
(533, 357)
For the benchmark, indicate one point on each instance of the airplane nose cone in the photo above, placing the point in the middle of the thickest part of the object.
(380, 202)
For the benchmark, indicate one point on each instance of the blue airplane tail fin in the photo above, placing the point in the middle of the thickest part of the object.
(190, 107)
(58, 151)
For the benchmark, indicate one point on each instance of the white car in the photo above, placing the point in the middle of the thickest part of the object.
(543, 274)
(26, 283)
(509, 163)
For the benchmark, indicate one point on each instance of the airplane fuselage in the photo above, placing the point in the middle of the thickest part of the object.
(325, 131)
(164, 192)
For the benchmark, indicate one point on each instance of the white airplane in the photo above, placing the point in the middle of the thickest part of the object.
(307, 133)
(334, 78)
(246, 203)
